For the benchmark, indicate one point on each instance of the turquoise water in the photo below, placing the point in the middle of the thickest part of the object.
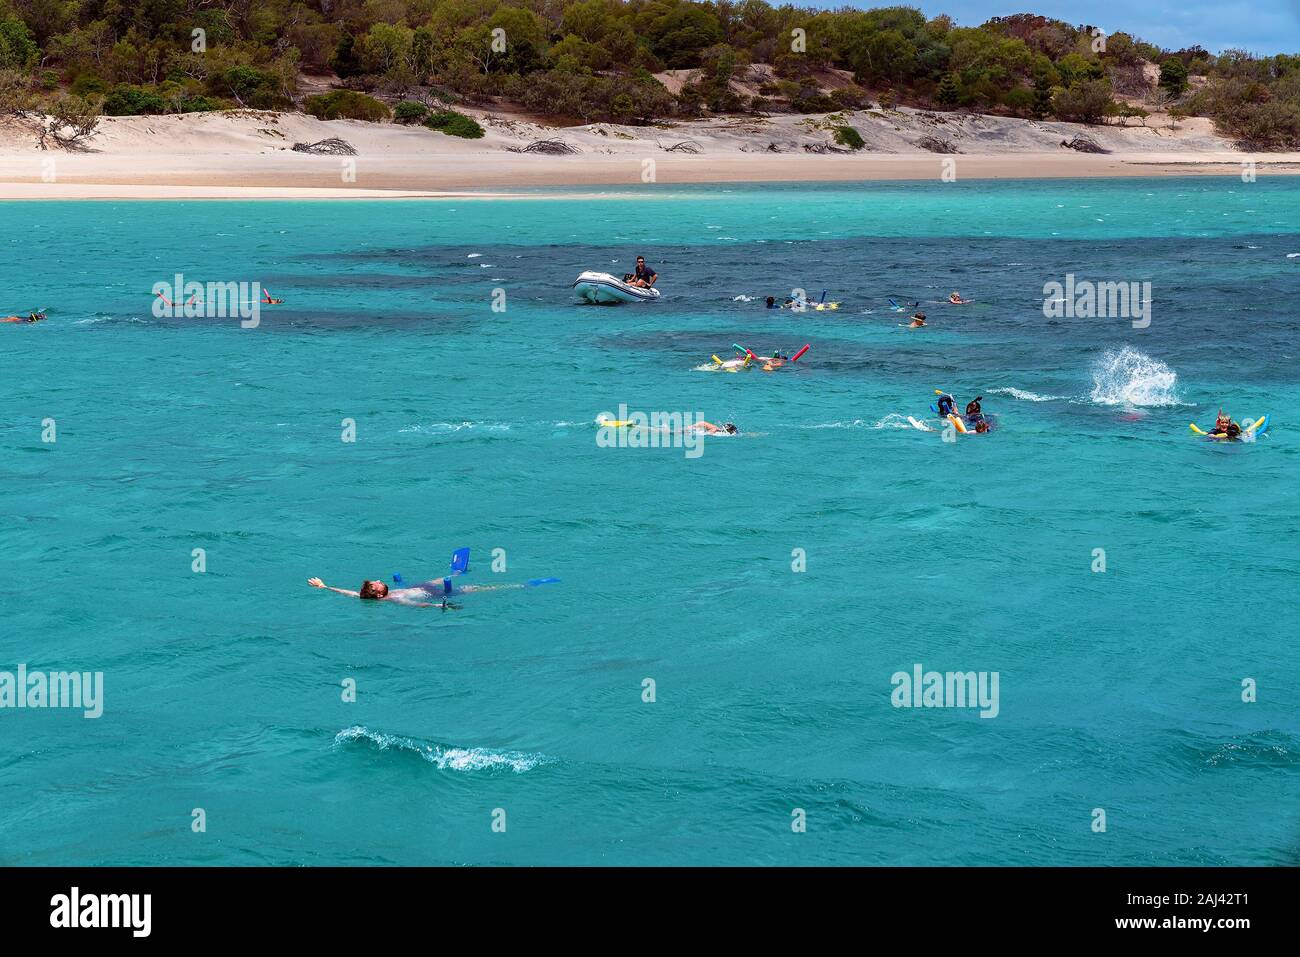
(1119, 690)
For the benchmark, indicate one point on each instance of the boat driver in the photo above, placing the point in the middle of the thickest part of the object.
(644, 276)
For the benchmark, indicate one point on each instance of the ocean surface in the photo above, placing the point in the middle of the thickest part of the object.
(764, 593)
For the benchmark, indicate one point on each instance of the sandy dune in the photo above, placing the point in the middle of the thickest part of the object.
(247, 154)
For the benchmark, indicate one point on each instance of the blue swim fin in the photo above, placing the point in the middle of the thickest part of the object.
(460, 561)
(540, 581)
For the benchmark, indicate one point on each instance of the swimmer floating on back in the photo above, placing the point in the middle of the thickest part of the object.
(431, 594)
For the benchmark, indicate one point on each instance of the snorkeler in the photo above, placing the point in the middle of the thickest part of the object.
(956, 299)
(778, 359)
(30, 317)
(946, 405)
(708, 428)
(771, 302)
(774, 361)
(918, 321)
(1223, 425)
(267, 300)
(702, 427)
(974, 413)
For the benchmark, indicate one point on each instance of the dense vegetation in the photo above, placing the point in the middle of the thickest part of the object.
(595, 59)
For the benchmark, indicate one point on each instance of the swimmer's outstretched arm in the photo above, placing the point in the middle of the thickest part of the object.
(317, 583)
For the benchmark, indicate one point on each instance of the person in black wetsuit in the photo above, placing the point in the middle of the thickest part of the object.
(30, 317)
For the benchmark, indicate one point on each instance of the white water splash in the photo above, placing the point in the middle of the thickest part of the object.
(892, 421)
(1024, 396)
(1129, 377)
(445, 759)
(444, 428)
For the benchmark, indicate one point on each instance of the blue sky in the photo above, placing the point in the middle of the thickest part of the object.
(1260, 26)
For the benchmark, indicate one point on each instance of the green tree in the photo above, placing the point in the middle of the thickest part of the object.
(1041, 106)
(346, 62)
(1087, 101)
(1173, 76)
(949, 91)
(18, 50)
(679, 31)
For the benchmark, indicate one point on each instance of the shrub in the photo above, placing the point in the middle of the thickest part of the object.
(409, 111)
(454, 124)
(127, 100)
(1263, 126)
(200, 104)
(850, 137)
(346, 105)
(1019, 100)
(1087, 101)
(73, 119)
(87, 84)
(848, 98)
(810, 99)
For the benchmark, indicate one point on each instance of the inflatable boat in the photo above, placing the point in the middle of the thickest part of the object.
(601, 287)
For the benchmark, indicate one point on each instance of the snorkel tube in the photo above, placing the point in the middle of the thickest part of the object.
(799, 353)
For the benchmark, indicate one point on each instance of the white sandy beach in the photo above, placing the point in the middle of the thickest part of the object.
(247, 154)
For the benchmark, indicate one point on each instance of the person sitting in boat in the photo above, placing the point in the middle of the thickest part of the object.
(918, 321)
(30, 317)
(974, 414)
(644, 277)
(945, 405)
(956, 299)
